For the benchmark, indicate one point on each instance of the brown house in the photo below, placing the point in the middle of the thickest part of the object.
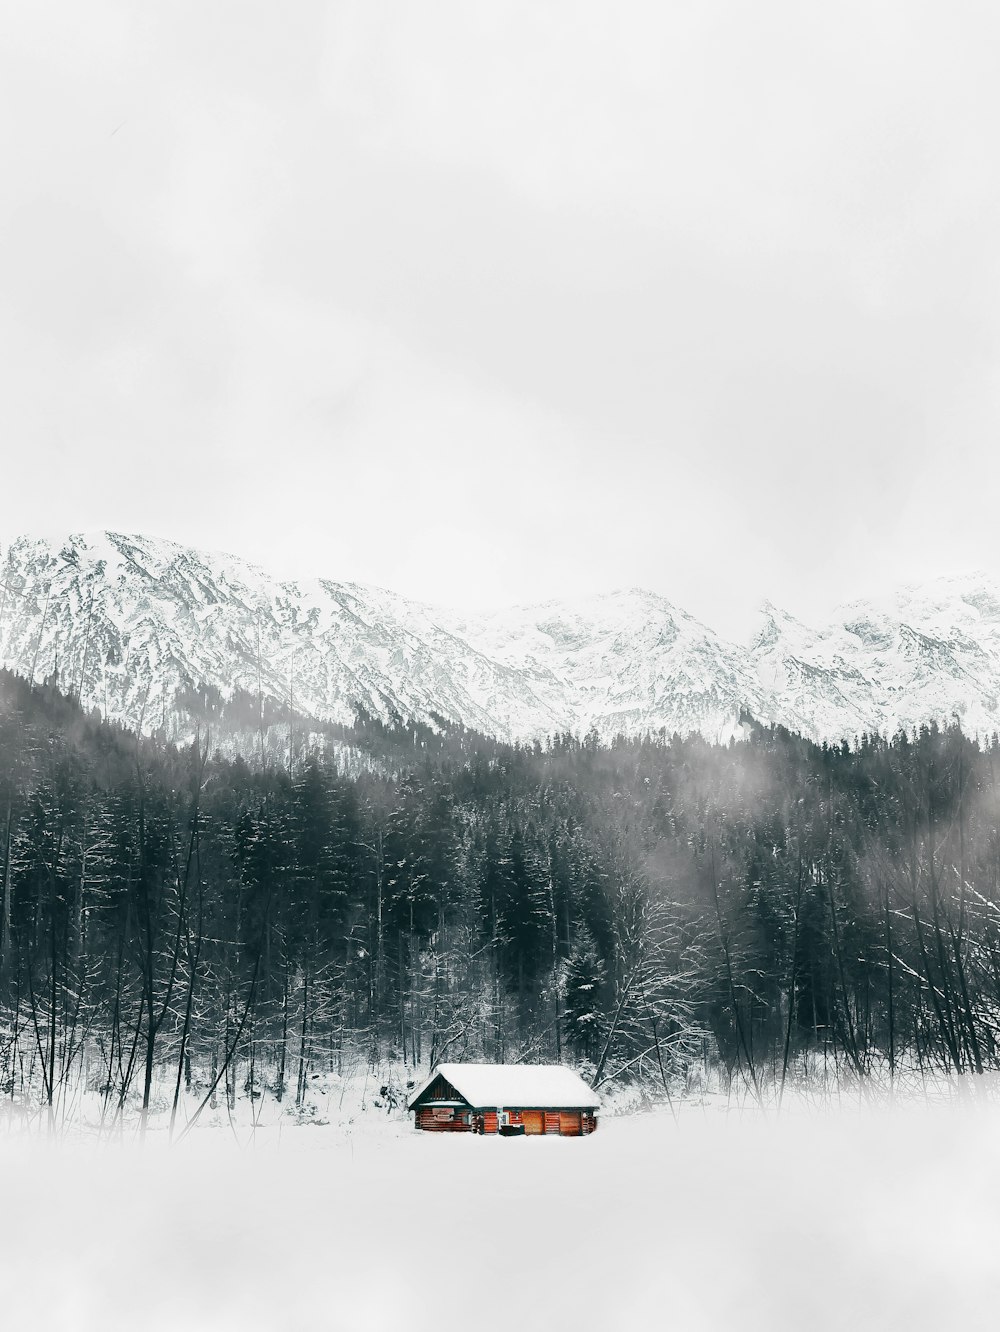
(505, 1098)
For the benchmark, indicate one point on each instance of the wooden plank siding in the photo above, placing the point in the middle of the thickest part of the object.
(443, 1119)
(451, 1119)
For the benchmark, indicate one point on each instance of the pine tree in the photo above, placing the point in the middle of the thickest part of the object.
(583, 1009)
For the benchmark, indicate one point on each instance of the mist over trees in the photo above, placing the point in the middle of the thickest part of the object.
(174, 924)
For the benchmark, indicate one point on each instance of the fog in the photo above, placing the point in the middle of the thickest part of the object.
(827, 1217)
(489, 303)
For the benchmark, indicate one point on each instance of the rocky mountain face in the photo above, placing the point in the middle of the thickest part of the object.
(928, 652)
(156, 635)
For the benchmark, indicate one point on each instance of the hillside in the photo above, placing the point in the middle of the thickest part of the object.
(158, 635)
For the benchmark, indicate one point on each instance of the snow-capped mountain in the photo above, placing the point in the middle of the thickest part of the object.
(134, 624)
(140, 627)
(627, 663)
(928, 652)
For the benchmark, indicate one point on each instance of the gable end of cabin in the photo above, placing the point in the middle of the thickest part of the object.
(441, 1109)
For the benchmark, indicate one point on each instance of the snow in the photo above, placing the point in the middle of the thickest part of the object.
(523, 1086)
(824, 1218)
(627, 661)
(923, 653)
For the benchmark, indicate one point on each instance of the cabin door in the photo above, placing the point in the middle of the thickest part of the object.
(569, 1123)
(533, 1120)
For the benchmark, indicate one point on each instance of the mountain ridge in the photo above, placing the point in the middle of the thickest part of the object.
(136, 625)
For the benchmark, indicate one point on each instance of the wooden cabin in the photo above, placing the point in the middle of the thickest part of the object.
(505, 1098)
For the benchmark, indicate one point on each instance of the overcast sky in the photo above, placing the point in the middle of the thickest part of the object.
(490, 302)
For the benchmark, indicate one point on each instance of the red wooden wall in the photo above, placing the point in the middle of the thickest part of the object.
(449, 1119)
(444, 1119)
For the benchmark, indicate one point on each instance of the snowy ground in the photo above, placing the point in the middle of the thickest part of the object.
(823, 1219)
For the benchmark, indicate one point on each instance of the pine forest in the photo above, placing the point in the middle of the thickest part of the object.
(177, 925)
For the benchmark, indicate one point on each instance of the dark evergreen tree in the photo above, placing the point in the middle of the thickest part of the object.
(583, 996)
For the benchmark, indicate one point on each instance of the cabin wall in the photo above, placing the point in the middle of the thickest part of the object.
(452, 1119)
(565, 1123)
(443, 1119)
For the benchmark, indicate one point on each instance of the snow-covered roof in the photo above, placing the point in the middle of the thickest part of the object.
(522, 1086)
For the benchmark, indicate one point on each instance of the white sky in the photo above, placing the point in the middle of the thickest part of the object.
(486, 302)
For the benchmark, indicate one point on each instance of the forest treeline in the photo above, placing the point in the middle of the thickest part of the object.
(173, 923)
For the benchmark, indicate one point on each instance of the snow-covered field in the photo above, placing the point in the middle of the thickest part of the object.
(821, 1219)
